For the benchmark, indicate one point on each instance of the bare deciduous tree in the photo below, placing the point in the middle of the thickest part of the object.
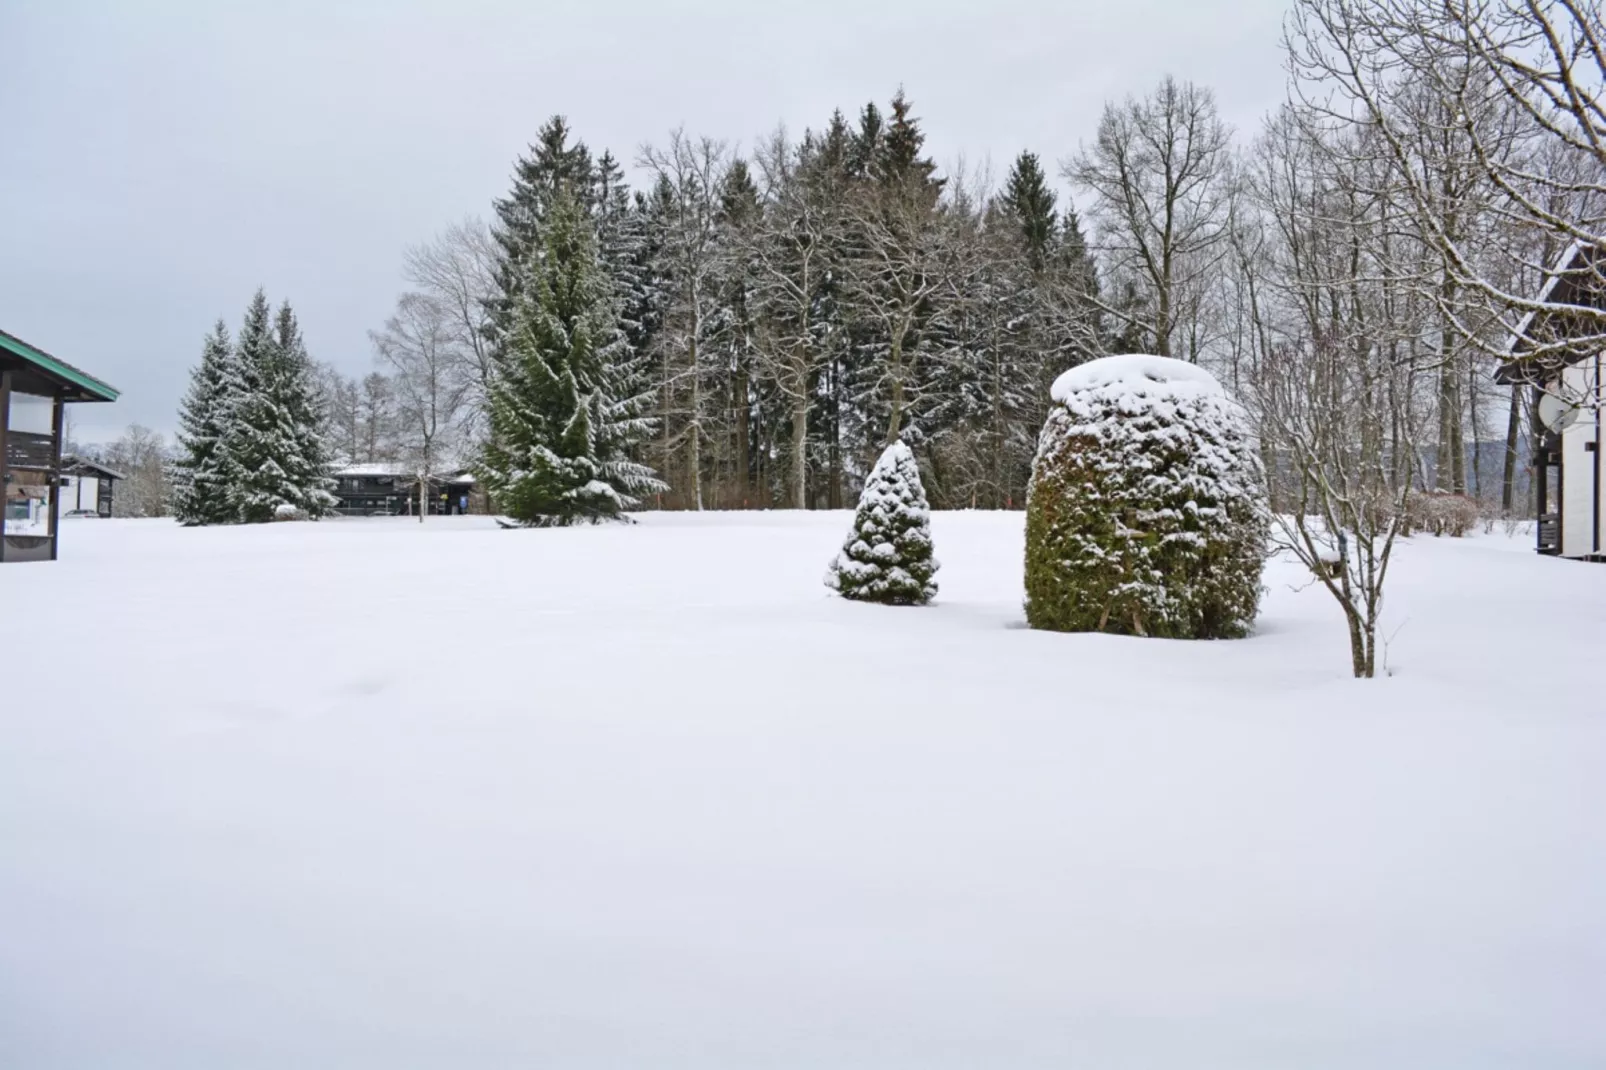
(140, 455)
(376, 422)
(1340, 341)
(1160, 174)
(794, 250)
(690, 260)
(1517, 86)
(421, 346)
(457, 270)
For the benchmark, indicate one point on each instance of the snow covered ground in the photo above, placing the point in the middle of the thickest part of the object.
(365, 794)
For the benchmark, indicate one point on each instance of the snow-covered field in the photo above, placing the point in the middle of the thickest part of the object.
(365, 794)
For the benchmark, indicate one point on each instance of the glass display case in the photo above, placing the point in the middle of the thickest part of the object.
(30, 453)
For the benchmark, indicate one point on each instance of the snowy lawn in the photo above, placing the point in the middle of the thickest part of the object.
(365, 794)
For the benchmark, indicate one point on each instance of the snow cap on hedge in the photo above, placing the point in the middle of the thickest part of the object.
(888, 554)
(1146, 511)
(1138, 375)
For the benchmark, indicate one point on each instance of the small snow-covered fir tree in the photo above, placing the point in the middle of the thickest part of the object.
(561, 417)
(200, 491)
(1146, 513)
(888, 555)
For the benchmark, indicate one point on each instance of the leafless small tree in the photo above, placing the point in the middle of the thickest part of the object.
(457, 271)
(376, 419)
(419, 344)
(1339, 349)
(140, 454)
(1327, 410)
(342, 401)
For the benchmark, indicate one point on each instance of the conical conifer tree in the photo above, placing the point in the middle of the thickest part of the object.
(201, 489)
(259, 437)
(1030, 203)
(898, 162)
(306, 460)
(560, 426)
(864, 144)
(888, 555)
(553, 164)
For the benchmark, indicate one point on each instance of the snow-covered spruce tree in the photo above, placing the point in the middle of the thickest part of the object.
(559, 426)
(887, 557)
(266, 440)
(200, 493)
(295, 385)
(553, 164)
(1146, 513)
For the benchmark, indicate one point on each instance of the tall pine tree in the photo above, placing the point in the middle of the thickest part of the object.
(560, 426)
(273, 454)
(1031, 205)
(553, 164)
(254, 436)
(201, 486)
(306, 462)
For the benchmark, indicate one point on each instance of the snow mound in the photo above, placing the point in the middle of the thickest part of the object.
(1137, 373)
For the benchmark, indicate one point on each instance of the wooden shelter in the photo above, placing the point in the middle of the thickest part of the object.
(35, 388)
(88, 488)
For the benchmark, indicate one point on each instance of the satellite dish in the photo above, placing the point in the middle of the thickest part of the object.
(1557, 415)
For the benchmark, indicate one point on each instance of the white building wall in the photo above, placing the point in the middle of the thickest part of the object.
(1581, 477)
(78, 492)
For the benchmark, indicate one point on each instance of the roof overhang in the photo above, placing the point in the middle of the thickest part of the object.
(80, 466)
(61, 378)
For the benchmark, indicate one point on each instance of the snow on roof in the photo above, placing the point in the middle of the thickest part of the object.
(374, 468)
(1553, 277)
(399, 471)
(72, 465)
(1140, 373)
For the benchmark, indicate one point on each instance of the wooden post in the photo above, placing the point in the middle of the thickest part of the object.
(5, 472)
(53, 517)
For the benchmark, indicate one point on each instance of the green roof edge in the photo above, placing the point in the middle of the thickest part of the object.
(104, 391)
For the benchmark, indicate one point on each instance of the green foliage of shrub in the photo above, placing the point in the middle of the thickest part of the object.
(1146, 513)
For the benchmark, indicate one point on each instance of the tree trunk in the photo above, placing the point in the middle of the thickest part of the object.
(739, 405)
(694, 460)
(1162, 321)
(1444, 464)
(1508, 476)
(895, 421)
(834, 476)
(1362, 640)
(800, 455)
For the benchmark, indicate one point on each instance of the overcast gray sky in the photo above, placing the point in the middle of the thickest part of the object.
(159, 161)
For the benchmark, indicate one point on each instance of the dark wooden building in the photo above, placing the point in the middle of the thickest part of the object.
(391, 490)
(35, 387)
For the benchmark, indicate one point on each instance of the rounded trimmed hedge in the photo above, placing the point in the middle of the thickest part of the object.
(1146, 513)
